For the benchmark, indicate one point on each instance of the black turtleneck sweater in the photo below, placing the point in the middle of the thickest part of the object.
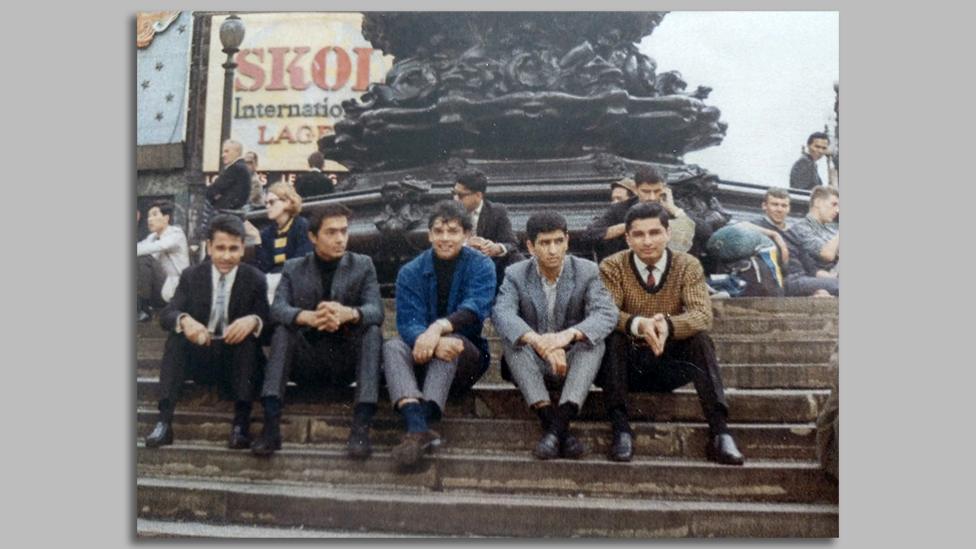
(327, 270)
(444, 269)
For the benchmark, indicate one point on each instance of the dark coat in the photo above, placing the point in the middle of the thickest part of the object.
(232, 187)
(248, 296)
(313, 183)
(354, 285)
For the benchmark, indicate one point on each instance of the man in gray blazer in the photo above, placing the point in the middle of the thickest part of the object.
(553, 314)
(329, 314)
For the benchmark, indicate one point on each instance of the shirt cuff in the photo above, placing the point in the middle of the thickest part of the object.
(257, 331)
(178, 329)
(504, 250)
(633, 326)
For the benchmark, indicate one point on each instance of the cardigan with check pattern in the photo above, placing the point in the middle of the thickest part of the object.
(681, 294)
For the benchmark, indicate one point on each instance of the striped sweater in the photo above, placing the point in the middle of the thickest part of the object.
(681, 294)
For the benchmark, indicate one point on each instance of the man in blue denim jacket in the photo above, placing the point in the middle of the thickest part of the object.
(443, 297)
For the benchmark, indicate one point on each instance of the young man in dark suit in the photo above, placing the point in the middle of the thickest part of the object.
(492, 230)
(328, 329)
(215, 320)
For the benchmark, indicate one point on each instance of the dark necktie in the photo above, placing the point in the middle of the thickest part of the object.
(650, 278)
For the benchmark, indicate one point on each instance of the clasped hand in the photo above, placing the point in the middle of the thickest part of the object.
(654, 331)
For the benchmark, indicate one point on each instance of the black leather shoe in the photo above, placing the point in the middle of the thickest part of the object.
(161, 435)
(240, 439)
(267, 442)
(358, 445)
(547, 447)
(571, 447)
(721, 449)
(622, 448)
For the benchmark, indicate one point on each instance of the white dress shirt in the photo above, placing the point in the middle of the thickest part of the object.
(228, 287)
(170, 249)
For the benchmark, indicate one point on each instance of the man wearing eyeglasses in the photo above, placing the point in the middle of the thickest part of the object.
(492, 234)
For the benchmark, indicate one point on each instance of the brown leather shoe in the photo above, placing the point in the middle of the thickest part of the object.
(413, 446)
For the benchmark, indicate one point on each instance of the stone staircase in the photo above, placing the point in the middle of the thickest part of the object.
(484, 482)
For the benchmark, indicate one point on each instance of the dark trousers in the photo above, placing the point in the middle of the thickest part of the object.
(149, 281)
(233, 368)
(313, 358)
(629, 366)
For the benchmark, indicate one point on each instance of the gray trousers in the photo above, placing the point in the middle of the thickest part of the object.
(439, 377)
(532, 373)
(807, 285)
(310, 357)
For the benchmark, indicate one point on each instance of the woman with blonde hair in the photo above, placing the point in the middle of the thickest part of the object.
(286, 237)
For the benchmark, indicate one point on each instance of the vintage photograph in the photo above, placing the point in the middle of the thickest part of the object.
(487, 274)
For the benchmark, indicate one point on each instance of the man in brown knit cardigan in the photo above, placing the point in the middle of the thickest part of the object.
(660, 342)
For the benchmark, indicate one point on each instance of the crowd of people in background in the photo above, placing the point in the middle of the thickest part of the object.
(564, 321)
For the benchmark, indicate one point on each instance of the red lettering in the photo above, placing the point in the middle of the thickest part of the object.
(343, 68)
(363, 57)
(304, 134)
(262, 140)
(277, 69)
(296, 74)
(324, 129)
(285, 135)
(250, 70)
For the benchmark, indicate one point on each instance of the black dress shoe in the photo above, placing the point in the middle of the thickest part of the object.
(547, 447)
(161, 435)
(266, 443)
(622, 448)
(571, 447)
(721, 449)
(240, 439)
(358, 445)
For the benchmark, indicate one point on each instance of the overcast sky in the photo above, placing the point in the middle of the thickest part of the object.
(771, 74)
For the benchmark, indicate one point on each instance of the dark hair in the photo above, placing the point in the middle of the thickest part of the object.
(544, 222)
(646, 210)
(316, 160)
(647, 174)
(226, 223)
(321, 213)
(823, 192)
(447, 211)
(817, 135)
(165, 208)
(474, 181)
(776, 192)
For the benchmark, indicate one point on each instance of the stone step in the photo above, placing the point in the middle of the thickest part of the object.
(415, 511)
(505, 401)
(764, 349)
(514, 474)
(745, 376)
(753, 306)
(795, 441)
(146, 528)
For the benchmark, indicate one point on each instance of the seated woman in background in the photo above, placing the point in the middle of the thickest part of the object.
(284, 239)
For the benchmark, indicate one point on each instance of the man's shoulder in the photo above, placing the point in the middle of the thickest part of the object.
(249, 272)
(359, 260)
(617, 259)
(297, 263)
(583, 267)
(497, 208)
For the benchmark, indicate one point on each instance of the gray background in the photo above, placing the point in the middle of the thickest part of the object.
(68, 140)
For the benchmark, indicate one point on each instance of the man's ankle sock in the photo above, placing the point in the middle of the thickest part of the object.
(414, 417)
(242, 412)
(619, 421)
(546, 415)
(432, 410)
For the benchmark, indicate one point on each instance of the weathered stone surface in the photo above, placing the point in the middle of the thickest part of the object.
(482, 514)
(793, 441)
